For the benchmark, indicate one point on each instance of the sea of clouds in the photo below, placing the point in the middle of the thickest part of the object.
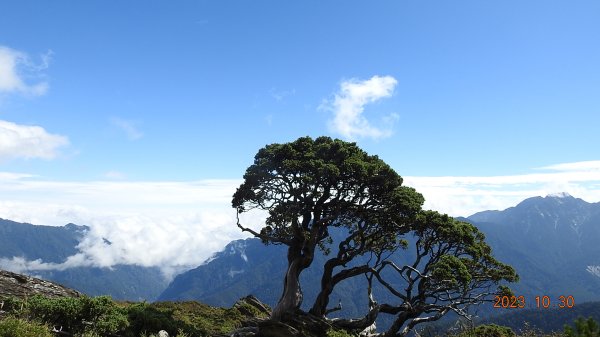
(179, 225)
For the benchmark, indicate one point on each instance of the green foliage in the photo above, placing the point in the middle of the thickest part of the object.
(13, 305)
(202, 318)
(16, 327)
(463, 257)
(182, 319)
(310, 186)
(490, 330)
(331, 182)
(100, 316)
(450, 270)
(338, 333)
(76, 315)
(79, 315)
(144, 317)
(583, 328)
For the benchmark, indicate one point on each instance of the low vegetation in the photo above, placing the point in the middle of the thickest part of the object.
(85, 316)
(16, 327)
(38, 316)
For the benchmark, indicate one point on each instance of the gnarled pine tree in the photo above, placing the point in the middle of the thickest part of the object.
(307, 187)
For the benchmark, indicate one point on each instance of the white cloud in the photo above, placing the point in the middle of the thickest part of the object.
(463, 196)
(348, 107)
(16, 68)
(592, 165)
(26, 141)
(129, 127)
(7, 176)
(174, 225)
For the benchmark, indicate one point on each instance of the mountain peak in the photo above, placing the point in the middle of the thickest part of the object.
(559, 195)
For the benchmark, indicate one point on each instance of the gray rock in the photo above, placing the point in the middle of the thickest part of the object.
(21, 286)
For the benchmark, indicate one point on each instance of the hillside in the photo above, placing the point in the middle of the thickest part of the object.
(33, 307)
(22, 243)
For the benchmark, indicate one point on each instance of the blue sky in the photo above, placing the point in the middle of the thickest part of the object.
(123, 113)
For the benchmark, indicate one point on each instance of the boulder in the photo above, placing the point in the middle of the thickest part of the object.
(22, 286)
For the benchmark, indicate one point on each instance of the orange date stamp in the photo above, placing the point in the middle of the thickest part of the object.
(543, 302)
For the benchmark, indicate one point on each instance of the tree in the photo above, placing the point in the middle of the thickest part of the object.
(452, 270)
(309, 186)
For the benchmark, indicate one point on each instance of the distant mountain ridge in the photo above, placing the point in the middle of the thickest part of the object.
(551, 241)
(50, 244)
(249, 267)
(241, 267)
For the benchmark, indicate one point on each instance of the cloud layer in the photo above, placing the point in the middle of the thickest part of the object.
(173, 225)
(177, 225)
(463, 196)
(348, 107)
(16, 68)
(26, 141)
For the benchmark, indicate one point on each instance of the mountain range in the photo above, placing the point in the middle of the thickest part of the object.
(22, 242)
(552, 242)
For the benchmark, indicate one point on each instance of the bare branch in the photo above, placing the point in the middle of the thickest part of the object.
(260, 235)
(357, 324)
(334, 309)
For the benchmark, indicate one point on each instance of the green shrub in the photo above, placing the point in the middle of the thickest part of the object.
(583, 328)
(488, 330)
(13, 305)
(144, 318)
(16, 327)
(80, 315)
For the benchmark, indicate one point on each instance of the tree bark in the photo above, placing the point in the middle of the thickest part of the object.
(291, 298)
(320, 306)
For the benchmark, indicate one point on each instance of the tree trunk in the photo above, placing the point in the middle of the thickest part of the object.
(291, 298)
(329, 281)
(393, 331)
(320, 306)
